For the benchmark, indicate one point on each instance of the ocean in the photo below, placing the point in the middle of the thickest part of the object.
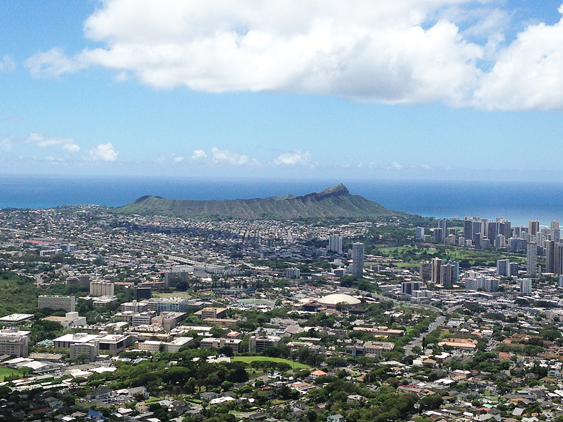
(516, 201)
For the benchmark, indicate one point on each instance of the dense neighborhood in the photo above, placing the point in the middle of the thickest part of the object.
(133, 318)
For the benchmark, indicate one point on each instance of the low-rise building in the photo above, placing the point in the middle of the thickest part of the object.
(67, 303)
(92, 349)
(14, 343)
(211, 313)
(370, 348)
(71, 319)
(217, 343)
(258, 343)
(111, 343)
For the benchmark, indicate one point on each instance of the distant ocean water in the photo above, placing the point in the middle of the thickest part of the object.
(516, 201)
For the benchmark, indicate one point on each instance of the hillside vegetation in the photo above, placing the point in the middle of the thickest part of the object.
(332, 202)
(19, 294)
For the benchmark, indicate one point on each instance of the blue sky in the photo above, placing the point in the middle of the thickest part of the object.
(365, 89)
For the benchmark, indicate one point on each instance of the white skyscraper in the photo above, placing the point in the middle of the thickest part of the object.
(358, 258)
(420, 233)
(335, 243)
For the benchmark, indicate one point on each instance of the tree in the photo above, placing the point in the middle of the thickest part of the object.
(226, 350)
(431, 402)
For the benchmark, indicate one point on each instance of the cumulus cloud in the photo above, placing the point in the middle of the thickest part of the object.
(394, 52)
(40, 141)
(527, 74)
(199, 155)
(294, 158)
(7, 64)
(104, 152)
(225, 156)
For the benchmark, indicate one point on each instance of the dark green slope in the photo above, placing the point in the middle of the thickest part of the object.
(332, 202)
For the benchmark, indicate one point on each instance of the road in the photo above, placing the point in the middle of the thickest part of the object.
(438, 322)
(418, 340)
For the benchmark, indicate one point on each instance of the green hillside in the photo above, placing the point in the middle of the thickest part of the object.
(332, 202)
(19, 295)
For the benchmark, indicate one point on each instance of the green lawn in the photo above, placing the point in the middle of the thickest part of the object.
(4, 372)
(250, 359)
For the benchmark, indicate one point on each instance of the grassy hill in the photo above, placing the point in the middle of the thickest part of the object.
(332, 202)
(19, 295)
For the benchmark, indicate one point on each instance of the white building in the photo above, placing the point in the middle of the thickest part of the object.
(14, 343)
(335, 243)
(71, 319)
(526, 286)
(102, 288)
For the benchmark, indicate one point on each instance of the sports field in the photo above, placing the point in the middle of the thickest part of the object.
(7, 371)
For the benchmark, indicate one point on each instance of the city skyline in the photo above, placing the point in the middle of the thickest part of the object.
(440, 89)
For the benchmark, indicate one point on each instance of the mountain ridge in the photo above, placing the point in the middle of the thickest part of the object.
(335, 201)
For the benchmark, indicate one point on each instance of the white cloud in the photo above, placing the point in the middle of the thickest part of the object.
(7, 64)
(178, 159)
(377, 51)
(40, 141)
(295, 158)
(103, 152)
(394, 52)
(225, 156)
(528, 73)
(53, 63)
(397, 166)
(199, 155)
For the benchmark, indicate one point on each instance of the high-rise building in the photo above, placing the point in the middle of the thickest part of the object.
(468, 229)
(436, 271)
(102, 288)
(420, 233)
(443, 224)
(558, 264)
(358, 258)
(503, 267)
(526, 286)
(532, 259)
(335, 243)
(478, 227)
(447, 274)
(505, 229)
(492, 230)
(426, 271)
(477, 240)
(292, 273)
(500, 241)
(513, 269)
(550, 256)
(533, 227)
(555, 231)
(438, 235)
